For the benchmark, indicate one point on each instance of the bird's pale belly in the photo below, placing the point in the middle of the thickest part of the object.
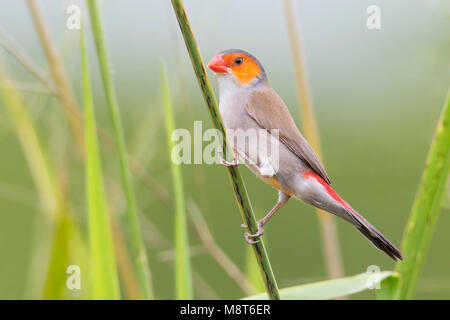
(273, 181)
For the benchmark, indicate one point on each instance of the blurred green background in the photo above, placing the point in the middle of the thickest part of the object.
(377, 95)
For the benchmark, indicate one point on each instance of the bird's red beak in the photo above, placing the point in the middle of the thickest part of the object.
(217, 64)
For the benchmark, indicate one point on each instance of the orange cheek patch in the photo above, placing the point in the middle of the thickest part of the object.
(246, 72)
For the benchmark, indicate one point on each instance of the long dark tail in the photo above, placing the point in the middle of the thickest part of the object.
(348, 213)
(375, 236)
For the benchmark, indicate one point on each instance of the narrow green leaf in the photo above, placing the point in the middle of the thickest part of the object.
(55, 284)
(41, 170)
(183, 277)
(426, 208)
(103, 270)
(79, 256)
(388, 287)
(330, 289)
(138, 249)
(50, 195)
(59, 76)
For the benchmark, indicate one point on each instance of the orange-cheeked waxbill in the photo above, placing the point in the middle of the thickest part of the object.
(247, 101)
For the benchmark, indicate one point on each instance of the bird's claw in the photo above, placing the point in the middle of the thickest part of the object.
(225, 162)
(258, 233)
(248, 240)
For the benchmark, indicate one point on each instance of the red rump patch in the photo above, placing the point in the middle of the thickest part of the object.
(330, 191)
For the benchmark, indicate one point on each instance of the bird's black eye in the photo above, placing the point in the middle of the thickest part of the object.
(238, 61)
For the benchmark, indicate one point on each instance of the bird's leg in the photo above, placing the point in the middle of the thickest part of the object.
(282, 199)
(225, 162)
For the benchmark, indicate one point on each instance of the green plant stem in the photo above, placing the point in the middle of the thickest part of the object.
(57, 219)
(138, 248)
(183, 277)
(124, 263)
(41, 170)
(58, 73)
(59, 257)
(252, 272)
(426, 208)
(327, 223)
(234, 174)
(104, 277)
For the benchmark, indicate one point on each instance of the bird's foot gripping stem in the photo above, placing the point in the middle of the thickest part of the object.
(258, 233)
(225, 162)
(282, 199)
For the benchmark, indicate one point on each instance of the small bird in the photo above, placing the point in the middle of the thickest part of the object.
(247, 101)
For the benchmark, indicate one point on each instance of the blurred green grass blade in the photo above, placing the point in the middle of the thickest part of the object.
(183, 277)
(103, 269)
(42, 173)
(55, 284)
(79, 249)
(127, 274)
(50, 194)
(138, 249)
(237, 183)
(58, 73)
(426, 208)
(330, 289)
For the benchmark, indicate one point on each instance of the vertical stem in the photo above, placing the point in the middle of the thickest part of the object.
(50, 253)
(124, 263)
(103, 269)
(57, 70)
(234, 174)
(138, 249)
(183, 277)
(426, 208)
(251, 271)
(330, 241)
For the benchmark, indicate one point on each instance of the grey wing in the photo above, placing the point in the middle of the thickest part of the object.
(270, 112)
